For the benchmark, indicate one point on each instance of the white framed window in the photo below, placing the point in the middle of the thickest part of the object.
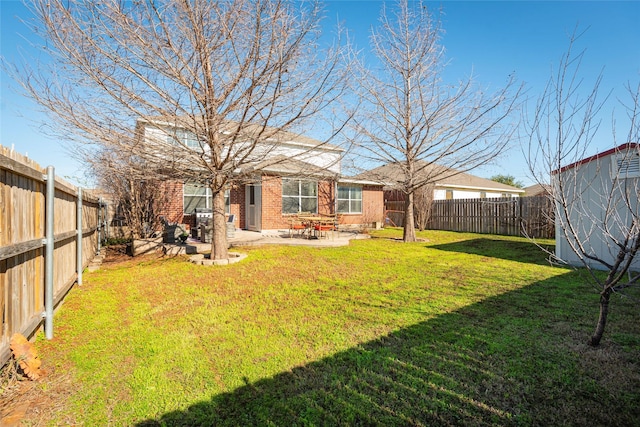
(626, 165)
(200, 197)
(183, 136)
(349, 200)
(299, 196)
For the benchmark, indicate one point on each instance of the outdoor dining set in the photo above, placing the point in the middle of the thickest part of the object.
(313, 225)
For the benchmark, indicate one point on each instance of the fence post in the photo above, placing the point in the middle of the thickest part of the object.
(100, 220)
(79, 236)
(49, 243)
(521, 225)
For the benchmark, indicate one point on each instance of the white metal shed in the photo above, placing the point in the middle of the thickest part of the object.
(599, 204)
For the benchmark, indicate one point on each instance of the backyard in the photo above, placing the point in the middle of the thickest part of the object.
(457, 329)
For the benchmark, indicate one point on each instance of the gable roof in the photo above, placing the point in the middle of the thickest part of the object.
(624, 147)
(441, 176)
(537, 190)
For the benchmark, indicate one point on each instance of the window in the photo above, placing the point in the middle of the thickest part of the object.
(200, 197)
(299, 196)
(449, 194)
(483, 194)
(626, 165)
(349, 199)
(507, 195)
(183, 136)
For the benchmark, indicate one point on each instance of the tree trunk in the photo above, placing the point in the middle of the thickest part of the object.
(409, 232)
(602, 319)
(219, 248)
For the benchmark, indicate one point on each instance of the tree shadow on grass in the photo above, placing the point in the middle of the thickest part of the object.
(527, 252)
(508, 360)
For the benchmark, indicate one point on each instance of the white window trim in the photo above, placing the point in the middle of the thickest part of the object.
(350, 199)
(299, 196)
(208, 199)
(184, 137)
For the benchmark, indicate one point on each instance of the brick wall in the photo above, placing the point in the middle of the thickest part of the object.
(236, 195)
(272, 203)
(372, 207)
(326, 197)
(173, 209)
(272, 216)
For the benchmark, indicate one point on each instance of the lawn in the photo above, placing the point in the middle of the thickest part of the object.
(459, 329)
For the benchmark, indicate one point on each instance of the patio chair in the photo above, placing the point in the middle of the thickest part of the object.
(297, 226)
(323, 229)
(336, 222)
(329, 223)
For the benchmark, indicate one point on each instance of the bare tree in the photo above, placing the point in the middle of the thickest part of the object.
(219, 84)
(412, 119)
(423, 201)
(595, 198)
(138, 201)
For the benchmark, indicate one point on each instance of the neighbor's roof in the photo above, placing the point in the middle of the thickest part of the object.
(618, 149)
(537, 190)
(391, 175)
(270, 133)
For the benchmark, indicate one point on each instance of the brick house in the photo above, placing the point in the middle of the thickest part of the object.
(298, 174)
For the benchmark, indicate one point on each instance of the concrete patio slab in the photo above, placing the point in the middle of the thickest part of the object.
(244, 238)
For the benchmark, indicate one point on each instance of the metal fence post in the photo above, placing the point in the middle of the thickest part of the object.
(100, 220)
(79, 237)
(48, 257)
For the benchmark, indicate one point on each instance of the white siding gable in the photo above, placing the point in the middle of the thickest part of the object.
(323, 156)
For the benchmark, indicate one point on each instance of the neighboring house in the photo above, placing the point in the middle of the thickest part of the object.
(447, 183)
(536, 190)
(293, 174)
(601, 193)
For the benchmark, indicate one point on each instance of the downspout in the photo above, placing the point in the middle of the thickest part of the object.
(48, 257)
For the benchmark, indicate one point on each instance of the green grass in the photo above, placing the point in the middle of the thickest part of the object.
(461, 329)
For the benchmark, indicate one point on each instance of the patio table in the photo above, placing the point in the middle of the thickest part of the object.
(317, 224)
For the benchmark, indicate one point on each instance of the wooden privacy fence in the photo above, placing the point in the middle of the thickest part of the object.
(41, 255)
(531, 216)
(505, 216)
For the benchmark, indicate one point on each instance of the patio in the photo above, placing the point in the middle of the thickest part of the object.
(243, 238)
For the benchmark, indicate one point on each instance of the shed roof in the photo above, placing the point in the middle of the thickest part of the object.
(618, 149)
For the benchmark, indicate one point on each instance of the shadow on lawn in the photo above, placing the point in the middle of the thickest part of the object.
(527, 252)
(504, 361)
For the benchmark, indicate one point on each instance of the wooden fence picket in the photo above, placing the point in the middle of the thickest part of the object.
(509, 216)
(22, 253)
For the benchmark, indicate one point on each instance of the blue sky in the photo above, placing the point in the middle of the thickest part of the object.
(492, 39)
